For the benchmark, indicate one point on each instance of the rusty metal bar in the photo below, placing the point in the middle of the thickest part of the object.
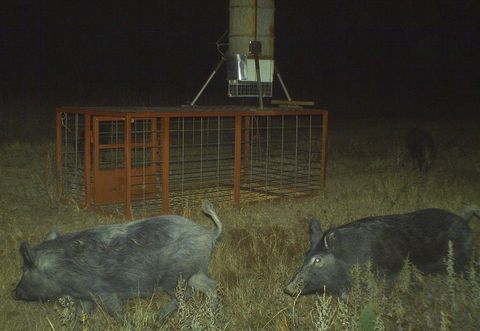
(110, 146)
(154, 142)
(202, 111)
(88, 161)
(128, 167)
(323, 166)
(58, 152)
(96, 152)
(237, 160)
(165, 163)
(247, 146)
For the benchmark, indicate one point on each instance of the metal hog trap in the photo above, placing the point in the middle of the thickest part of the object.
(141, 161)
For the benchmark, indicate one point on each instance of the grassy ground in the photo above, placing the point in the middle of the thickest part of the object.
(263, 244)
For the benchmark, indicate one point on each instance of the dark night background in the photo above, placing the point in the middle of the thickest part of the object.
(414, 57)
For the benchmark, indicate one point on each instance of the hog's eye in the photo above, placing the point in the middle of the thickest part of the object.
(317, 259)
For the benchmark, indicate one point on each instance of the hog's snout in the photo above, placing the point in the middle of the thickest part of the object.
(18, 294)
(295, 286)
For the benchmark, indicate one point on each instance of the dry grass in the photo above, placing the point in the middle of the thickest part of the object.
(263, 243)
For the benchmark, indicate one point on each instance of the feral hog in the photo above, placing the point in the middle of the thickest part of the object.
(111, 263)
(386, 241)
(421, 148)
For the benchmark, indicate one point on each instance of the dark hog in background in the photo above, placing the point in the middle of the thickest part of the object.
(385, 241)
(111, 263)
(421, 148)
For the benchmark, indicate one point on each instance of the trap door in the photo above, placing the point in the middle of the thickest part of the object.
(108, 160)
(109, 175)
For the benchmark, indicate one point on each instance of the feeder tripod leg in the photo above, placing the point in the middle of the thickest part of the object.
(208, 81)
(259, 82)
(282, 83)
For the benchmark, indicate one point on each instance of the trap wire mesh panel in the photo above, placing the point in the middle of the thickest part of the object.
(201, 159)
(281, 156)
(146, 165)
(72, 165)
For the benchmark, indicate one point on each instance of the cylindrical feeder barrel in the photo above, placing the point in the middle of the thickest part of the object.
(251, 20)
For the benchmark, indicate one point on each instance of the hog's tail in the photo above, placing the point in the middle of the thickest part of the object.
(207, 208)
(470, 211)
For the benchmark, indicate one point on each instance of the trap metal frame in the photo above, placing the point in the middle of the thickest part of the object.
(168, 158)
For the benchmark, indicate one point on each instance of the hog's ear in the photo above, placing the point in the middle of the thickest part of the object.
(28, 255)
(316, 232)
(328, 240)
(53, 234)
